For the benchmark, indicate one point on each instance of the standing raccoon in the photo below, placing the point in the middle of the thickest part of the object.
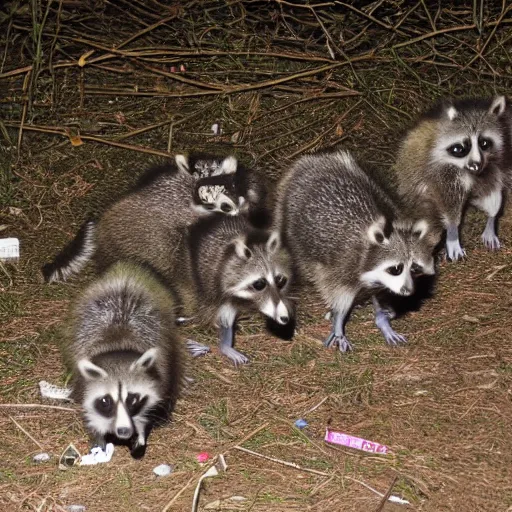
(345, 235)
(169, 197)
(232, 267)
(458, 153)
(125, 356)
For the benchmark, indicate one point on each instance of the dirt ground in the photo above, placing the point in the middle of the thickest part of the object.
(442, 403)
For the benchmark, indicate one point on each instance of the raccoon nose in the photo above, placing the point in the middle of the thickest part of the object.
(284, 319)
(475, 166)
(405, 290)
(124, 432)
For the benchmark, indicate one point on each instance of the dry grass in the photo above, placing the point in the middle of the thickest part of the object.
(282, 79)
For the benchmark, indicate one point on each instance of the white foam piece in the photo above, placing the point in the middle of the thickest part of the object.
(9, 248)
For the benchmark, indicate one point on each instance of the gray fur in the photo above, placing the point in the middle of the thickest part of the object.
(169, 199)
(341, 227)
(121, 323)
(428, 174)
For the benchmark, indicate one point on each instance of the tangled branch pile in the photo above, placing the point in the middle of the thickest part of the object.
(281, 77)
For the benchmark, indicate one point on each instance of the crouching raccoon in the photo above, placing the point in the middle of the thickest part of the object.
(125, 356)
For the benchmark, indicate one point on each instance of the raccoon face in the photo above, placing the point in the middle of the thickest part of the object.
(112, 400)
(471, 137)
(258, 272)
(396, 260)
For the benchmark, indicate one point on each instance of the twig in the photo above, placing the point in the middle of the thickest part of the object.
(37, 406)
(24, 112)
(59, 131)
(387, 495)
(248, 436)
(283, 462)
(177, 495)
(26, 433)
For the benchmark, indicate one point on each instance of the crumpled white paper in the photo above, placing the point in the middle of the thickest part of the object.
(97, 455)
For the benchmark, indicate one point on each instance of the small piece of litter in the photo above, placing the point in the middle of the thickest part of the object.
(202, 457)
(75, 508)
(396, 499)
(354, 442)
(98, 455)
(69, 457)
(471, 319)
(221, 464)
(41, 457)
(9, 248)
(216, 129)
(163, 470)
(301, 423)
(48, 390)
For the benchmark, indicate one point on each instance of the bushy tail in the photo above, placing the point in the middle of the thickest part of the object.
(75, 255)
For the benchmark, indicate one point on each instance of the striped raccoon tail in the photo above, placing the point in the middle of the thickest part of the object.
(75, 255)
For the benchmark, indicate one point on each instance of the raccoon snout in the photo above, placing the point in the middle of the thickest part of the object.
(475, 166)
(406, 290)
(124, 432)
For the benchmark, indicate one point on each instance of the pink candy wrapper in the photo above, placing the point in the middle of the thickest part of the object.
(354, 442)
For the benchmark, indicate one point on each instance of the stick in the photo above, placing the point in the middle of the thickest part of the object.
(386, 496)
(176, 496)
(37, 406)
(26, 433)
(248, 436)
(59, 131)
(283, 462)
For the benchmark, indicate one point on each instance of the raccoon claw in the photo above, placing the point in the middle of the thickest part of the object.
(491, 241)
(394, 339)
(196, 349)
(454, 251)
(235, 356)
(340, 341)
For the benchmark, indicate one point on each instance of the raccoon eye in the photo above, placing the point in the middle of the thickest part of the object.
(416, 269)
(485, 144)
(259, 284)
(104, 405)
(458, 150)
(225, 207)
(395, 270)
(281, 281)
(132, 400)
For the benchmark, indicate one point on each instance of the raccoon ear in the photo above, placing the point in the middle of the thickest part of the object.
(146, 360)
(420, 228)
(451, 112)
(498, 106)
(229, 165)
(273, 242)
(376, 234)
(182, 162)
(242, 251)
(90, 371)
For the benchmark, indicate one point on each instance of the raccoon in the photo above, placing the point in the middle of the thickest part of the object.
(346, 235)
(168, 195)
(234, 267)
(125, 356)
(458, 154)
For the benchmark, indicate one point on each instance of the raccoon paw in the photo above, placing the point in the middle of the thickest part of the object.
(340, 341)
(454, 251)
(235, 356)
(490, 240)
(196, 349)
(393, 338)
(137, 451)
